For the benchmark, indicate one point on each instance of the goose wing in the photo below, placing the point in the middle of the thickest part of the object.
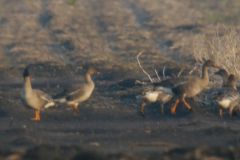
(68, 91)
(173, 82)
(227, 93)
(77, 92)
(44, 98)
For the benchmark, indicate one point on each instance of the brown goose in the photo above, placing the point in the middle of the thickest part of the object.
(224, 74)
(75, 94)
(186, 87)
(228, 96)
(153, 96)
(34, 98)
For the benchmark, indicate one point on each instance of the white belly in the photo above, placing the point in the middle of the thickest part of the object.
(151, 96)
(225, 103)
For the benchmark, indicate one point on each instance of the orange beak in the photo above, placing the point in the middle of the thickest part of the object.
(216, 66)
(98, 73)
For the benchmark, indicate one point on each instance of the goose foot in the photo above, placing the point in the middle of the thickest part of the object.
(37, 118)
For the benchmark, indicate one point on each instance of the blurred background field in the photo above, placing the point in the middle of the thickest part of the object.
(108, 34)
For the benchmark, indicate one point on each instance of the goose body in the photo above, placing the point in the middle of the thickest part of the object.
(228, 97)
(34, 98)
(187, 86)
(153, 96)
(75, 94)
(183, 87)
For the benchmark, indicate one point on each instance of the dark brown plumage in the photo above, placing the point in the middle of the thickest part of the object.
(186, 87)
(224, 74)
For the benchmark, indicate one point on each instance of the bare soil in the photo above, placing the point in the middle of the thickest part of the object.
(109, 125)
(59, 40)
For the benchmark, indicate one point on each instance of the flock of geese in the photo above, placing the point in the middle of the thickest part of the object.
(181, 88)
(72, 95)
(188, 86)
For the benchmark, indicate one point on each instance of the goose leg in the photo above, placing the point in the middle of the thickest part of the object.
(142, 109)
(220, 112)
(174, 107)
(75, 108)
(187, 105)
(37, 118)
(162, 109)
(230, 112)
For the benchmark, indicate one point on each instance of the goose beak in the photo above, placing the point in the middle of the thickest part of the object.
(216, 66)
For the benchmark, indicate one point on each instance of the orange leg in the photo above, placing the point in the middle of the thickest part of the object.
(220, 112)
(75, 108)
(174, 107)
(230, 112)
(187, 105)
(162, 109)
(37, 118)
(142, 109)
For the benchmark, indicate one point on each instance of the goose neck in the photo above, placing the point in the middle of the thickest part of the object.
(27, 85)
(88, 78)
(205, 73)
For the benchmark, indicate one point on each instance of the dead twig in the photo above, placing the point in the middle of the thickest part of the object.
(142, 68)
(157, 75)
(180, 72)
(139, 82)
(192, 70)
(164, 72)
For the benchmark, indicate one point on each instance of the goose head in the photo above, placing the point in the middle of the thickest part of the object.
(210, 63)
(26, 73)
(91, 71)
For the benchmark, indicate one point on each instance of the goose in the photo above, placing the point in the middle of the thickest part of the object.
(224, 74)
(75, 94)
(186, 86)
(228, 96)
(34, 98)
(153, 96)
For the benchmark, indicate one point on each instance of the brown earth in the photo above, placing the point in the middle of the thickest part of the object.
(59, 39)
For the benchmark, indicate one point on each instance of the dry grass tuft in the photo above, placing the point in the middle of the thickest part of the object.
(224, 49)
